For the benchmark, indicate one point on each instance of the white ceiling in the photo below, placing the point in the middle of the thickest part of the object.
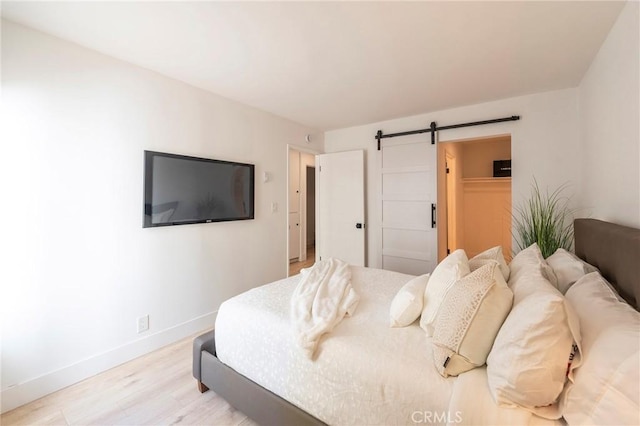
(337, 64)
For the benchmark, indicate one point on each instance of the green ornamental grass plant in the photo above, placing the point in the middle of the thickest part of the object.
(546, 219)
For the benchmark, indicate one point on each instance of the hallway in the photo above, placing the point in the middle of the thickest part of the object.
(295, 267)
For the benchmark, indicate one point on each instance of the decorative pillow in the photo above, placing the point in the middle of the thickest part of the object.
(537, 346)
(531, 257)
(494, 253)
(450, 270)
(407, 303)
(568, 268)
(606, 386)
(469, 319)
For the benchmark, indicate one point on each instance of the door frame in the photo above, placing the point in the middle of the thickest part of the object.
(302, 200)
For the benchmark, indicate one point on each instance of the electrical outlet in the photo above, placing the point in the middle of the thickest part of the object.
(143, 323)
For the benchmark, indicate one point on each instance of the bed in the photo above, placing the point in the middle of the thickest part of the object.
(365, 372)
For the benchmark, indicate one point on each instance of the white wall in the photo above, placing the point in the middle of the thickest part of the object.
(544, 145)
(609, 99)
(78, 267)
(588, 137)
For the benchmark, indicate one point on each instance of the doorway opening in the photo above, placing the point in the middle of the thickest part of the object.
(476, 213)
(301, 234)
(311, 212)
(308, 249)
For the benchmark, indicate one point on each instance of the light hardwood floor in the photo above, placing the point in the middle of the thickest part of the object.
(155, 389)
(295, 267)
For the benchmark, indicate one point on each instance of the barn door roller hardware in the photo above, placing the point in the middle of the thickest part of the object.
(433, 128)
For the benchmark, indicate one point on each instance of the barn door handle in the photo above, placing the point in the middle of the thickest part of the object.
(433, 215)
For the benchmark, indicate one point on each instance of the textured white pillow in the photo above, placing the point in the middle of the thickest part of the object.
(568, 268)
(407, 303)
(450, 270)
(494, 253)
(606, 388)
(528, 363)
(531, 257)
(468, 320)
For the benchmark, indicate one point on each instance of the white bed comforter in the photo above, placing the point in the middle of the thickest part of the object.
(364, 372)
(473, 404)
(322, 298)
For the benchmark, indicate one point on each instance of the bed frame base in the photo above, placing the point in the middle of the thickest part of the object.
(253, 400)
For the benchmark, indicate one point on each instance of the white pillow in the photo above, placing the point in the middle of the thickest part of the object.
(407, 303)
(536, 346)
(531, 257)
(450, 270)
(606, 388)
(468, 320)
(568, 268)
(494, 253)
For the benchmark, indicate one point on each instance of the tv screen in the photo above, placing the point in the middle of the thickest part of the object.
(180, 190)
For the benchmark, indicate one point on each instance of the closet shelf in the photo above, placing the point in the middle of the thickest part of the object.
(486, 179)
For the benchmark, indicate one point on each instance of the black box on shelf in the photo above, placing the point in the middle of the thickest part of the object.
(502, 168)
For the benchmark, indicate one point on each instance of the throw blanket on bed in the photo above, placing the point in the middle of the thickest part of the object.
(322, 298)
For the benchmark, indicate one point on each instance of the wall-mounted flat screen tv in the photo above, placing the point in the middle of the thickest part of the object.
(179, 190)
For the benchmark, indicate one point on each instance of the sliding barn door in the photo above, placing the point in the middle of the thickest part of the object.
(340, 200)
(409, 237)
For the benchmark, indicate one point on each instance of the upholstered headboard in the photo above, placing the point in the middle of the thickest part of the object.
(615, 251)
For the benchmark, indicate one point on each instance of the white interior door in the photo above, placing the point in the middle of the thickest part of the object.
(409, 237)
(340, 225)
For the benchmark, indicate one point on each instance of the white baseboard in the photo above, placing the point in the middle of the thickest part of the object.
(38, 387)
